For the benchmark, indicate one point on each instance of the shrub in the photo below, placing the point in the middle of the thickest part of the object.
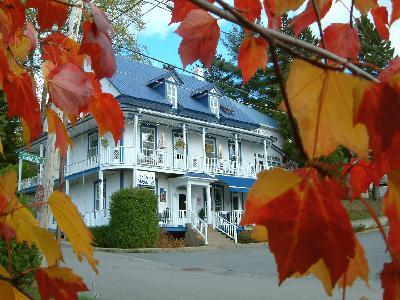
(23, 258)
(168, 241)
(101, 236)
(244, 237)
(133, 219)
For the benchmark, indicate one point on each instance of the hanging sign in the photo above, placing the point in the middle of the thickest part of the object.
(146, 178)
(31, 157)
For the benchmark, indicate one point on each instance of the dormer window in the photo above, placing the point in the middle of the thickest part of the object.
(213, 99)
(172, 94)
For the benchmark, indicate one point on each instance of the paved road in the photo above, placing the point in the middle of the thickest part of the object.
(237, 273)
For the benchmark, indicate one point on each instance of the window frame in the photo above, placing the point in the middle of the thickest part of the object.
(90, 135)
(172, 94)
(214, 107)
(142, 141)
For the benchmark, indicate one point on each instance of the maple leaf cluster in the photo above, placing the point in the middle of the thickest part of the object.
(73, 93)
(331, 103)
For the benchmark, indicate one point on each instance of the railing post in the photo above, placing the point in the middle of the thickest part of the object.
(204, 148)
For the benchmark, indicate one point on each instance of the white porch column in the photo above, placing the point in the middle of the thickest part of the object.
(101, 189)
(19, 173)
(67, 187)
(208, 199)
(237, 153)
(204, 149)
(135, 149)
(265, 153)
(41, 154)
(188, 199)
(185, 158)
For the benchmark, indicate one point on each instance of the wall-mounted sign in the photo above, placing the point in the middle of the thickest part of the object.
(31, 157)
(146, 178)
(163, 195)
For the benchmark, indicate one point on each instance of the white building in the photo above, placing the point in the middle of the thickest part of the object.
(197, 149)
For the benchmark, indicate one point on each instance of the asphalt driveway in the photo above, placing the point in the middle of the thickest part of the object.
(236, 273)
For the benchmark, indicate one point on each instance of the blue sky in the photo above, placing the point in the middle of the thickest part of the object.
(163, 43)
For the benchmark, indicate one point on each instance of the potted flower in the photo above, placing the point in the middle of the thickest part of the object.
(180, 144)
(104, 143)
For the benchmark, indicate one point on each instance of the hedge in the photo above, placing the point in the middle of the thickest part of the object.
(133, 219)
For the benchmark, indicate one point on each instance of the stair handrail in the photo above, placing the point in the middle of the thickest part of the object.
(199, 225)
(223, 225)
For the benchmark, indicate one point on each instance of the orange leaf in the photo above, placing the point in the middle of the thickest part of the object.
(250, 8)
(342, 40)
(60, 49)
(57, 127)
(59, 283)
(108, 115)
(365, 5)
(274, 20)
(49, 12)
(200, 33)
(391, 209)
(22, 102)
(390, 278)
(380, 15)
(282, 6)
(70, 221)
(70, 88)
(96, 43)
(252, 56)
(1, 150)
(181, 10)
(7, 290)
(12, 17)
(308, 223)
(322, 103)
(8, 187)
(395, 11)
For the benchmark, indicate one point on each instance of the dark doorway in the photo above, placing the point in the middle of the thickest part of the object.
(182, 201)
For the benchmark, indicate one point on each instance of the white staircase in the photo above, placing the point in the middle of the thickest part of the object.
(223, 225)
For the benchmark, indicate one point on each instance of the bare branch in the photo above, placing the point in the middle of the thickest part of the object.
(321, 33)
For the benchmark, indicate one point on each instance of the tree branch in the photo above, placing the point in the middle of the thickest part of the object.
(321, 32)
(281, 39)
(351, 13)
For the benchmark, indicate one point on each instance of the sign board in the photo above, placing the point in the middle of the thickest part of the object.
(31, 157)
(39, 195)
(146, 178)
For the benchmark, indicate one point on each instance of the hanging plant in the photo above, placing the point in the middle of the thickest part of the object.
(180, 144)
(209, 148)
(104, 143)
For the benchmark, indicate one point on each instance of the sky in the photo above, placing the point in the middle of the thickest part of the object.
(163, 43)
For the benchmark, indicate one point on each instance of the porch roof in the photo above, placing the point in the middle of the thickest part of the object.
(237, 184)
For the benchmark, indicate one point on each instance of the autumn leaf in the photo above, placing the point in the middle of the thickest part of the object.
(365, 5)
(322, 103)
(59, 283)
(60, 49)
(282, 6)
(362, 173)
(50, 12)
(200, 33)
(12, 17)
(8, 187)
(70, 88)
(7, 290)
(19, 47)
(308, 16)
(56, 126)
(380, 15)
(250, 8)
(1, 151)
(22, 102)
(343, 40)
(31, 34)
(390, 278)
(181, 10)
(305, 222)
(274, 20)
(395, 11)
(69, 219)
(391, 209)
(252, 56)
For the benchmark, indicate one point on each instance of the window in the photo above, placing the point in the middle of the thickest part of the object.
(172, 94)
(232, 151)
(214, 104)
(210, 148)
(178, 144)
(259, 159)
(274, 161)
(149, 138)
(97, 197)
(93, 144)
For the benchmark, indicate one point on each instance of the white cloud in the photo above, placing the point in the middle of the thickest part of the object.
(156, 21)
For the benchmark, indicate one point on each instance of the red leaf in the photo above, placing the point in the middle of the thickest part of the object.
(305, 223)
(390, 278)
(70, 88)
(395, 11)
(60, 49)
(50, 12)
(181, 10)
(308, 16)
(274, 20)
(108, 115)
(57, 127)
(391, 209)
(250, 8)
(31, 33)
(22, 102)
(12, 17)
(59, 283)
(252, 56)
(200, 33)
(7, 232)
(391, 70)
(380, 15)
(342, 40)
(361, 176)
(97, 44)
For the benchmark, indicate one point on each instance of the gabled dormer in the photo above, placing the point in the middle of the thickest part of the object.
(209, 95)
(167, 85)
(213, 101)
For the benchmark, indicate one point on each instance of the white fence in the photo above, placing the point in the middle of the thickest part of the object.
(223, 225)
(96, 218)
(199, 225)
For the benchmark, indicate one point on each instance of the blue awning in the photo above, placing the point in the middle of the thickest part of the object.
(237, 184)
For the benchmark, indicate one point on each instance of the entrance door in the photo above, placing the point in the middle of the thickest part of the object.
(218, 198)
(182, 201)
(235, 200)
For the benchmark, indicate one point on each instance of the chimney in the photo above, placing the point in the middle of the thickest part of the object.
(199, 73)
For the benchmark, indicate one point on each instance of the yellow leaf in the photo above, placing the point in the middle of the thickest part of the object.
(8, 183)
(70, 221)
(322, 103)
(270, 184)
(20, 47)
(27, 229)
(259, 233)
(7, 291)
(283, 6)
(1, 149)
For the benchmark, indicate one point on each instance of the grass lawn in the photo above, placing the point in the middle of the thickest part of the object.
(357, 210)
(34, 292)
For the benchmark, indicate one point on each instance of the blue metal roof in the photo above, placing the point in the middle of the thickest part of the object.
(132, 81)
(237, 184)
